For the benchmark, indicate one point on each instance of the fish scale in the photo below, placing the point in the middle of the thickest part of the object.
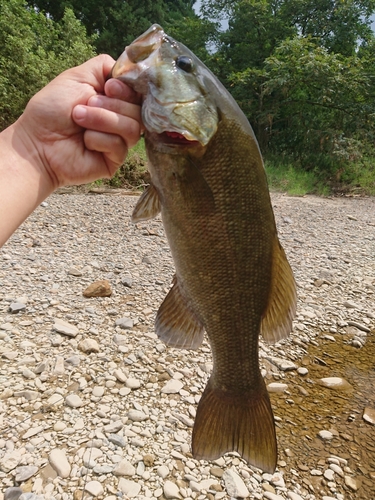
(232, 277)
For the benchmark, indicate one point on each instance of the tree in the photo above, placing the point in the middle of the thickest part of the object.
(34, 49)
(117, 22)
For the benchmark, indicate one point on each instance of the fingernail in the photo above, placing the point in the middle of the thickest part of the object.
(79, 112)
(115, 88)
(96, 101)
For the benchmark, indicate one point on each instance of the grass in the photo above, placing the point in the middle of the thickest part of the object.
(356, 178)
(293, 180)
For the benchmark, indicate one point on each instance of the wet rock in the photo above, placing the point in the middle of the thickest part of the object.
(337, 383)
(100, 288)
(351, 483)
(369, 415)
(277, 387)
(282, 364)
(325, 435)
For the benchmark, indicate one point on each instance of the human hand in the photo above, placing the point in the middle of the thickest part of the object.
(79, 127)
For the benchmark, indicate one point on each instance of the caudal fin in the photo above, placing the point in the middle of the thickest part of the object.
(235, 422)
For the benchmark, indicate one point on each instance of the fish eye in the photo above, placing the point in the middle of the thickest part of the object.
(185, 63)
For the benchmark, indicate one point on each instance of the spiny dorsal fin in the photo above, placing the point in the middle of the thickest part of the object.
(281, 309)
(229, 421)
(176, 324)
(148, 205)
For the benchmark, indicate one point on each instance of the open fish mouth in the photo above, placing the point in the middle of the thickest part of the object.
(175, 138)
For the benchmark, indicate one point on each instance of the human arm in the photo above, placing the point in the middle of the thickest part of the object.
(70, 133)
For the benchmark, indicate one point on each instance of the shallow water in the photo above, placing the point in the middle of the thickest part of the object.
(310, 408)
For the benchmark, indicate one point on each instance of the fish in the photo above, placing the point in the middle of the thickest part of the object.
(233, 280)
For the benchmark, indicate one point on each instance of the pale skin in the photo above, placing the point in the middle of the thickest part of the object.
(76, 130)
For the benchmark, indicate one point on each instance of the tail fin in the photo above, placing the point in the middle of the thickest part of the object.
(235, 422)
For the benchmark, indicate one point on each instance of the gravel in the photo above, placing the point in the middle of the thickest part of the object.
(93, 405)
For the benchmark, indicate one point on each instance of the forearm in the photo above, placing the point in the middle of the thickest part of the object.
(23, 186)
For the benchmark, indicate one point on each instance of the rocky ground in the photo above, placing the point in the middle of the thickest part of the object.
(93, 405)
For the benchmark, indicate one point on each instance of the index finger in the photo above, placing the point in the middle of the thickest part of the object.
(119, 90)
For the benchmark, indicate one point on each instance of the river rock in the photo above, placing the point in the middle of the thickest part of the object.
(65, 328)
(337, 383)
(100, 288)
(94, 488)
(234, 484)
(124, 468)
(130, 488)
(369, 415)
(59, 462)
(171, 490)
(88, 345)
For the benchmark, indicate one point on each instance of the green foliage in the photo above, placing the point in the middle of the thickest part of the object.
(133, 173)
(34, 49)
(117, 22)
(303, 71)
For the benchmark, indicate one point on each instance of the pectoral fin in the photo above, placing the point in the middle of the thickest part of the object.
(148, 205)
(176, 324)
(281, 309)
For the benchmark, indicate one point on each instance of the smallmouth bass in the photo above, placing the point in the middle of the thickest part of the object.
(232, 278)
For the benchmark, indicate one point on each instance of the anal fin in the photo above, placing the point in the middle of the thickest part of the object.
(176, 324)
(241, 422)
(148, 205)
(281, 308)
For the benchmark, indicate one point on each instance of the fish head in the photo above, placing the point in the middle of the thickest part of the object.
(177, 107)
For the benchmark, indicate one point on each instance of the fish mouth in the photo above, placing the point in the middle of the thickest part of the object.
(176, 139)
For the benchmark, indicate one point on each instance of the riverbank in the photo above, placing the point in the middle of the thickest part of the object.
(117, 407)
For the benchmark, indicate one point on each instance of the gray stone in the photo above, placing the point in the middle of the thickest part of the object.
(103, 469)
(113, 427)
(65, 328)
(16, 307)
(117, 440)
(24, 472)
(125, 323)
(12, 493)
(127, 281)
(234, 484)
